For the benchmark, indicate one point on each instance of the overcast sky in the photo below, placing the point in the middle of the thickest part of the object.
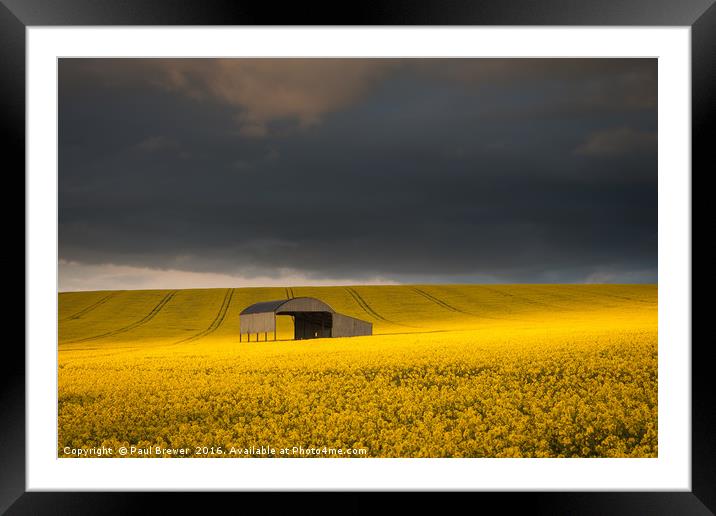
(243, 172)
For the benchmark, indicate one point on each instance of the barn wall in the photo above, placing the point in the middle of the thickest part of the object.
(345, 326)
(258, 323)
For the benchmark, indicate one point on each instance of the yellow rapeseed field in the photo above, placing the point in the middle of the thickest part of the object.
(451, 371)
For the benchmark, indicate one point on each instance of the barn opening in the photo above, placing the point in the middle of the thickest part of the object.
(312, 319)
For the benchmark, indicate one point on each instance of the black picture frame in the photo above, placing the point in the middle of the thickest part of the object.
(16, 15)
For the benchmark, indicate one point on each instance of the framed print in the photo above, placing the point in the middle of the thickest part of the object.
(437, 250)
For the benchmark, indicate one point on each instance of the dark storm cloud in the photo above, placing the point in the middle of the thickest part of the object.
(411, 170)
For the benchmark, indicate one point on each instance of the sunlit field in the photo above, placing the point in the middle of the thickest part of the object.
(451, 371)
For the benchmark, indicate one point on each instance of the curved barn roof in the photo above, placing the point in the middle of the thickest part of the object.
(297, 304)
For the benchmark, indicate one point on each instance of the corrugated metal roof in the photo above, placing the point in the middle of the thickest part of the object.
(296, 304)
(263, 307)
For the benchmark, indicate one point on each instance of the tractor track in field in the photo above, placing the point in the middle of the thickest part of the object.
(218, 320)
(136, 324)
(289, 293)
(89, 308)
(368, 309)
(447, 306)
(365, 306)
(438, 302)
(522, 298)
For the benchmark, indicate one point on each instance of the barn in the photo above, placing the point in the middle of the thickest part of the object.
(312, 319)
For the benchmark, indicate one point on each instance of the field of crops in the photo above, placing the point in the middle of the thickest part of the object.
(451, 371)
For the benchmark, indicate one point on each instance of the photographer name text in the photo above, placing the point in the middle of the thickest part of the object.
(212, 451)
